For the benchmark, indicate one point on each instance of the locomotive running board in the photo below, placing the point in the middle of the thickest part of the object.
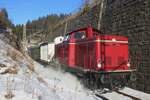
(115, 71)
(81, 70)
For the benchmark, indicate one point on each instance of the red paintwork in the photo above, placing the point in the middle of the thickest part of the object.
(111, 51)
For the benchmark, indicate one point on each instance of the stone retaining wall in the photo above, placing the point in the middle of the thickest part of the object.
(130, 18)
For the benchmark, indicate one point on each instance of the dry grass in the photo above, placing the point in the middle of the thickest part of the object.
(31, 64)
(2, 65)
(9, 95)
(14, 54)
(12, 70)
(40, 79)
(19, 57)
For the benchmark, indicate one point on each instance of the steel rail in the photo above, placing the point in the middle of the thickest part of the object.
(130, 96)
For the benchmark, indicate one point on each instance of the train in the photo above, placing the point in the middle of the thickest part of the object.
(98, 59)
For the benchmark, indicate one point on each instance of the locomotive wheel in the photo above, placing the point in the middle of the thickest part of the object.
(131, 80)
(133, 77)
(114, 85)
(91, 82)
(98, 82)
(118, 84)
(94, 82)
(123, 83)
(86, 80)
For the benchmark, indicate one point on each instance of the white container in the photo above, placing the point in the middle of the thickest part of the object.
(47, 52)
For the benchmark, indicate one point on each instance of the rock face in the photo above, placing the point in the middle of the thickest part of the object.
(128, 18)
(9, 37)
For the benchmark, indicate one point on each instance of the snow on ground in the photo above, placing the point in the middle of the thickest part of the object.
(23, 79)
(62, 79)
(21, 95)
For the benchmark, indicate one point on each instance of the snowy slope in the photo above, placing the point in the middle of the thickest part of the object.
(24, 79)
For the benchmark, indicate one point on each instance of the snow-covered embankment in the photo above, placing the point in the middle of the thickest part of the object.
(23, 79)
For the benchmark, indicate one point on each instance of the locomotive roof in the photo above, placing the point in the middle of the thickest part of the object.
(82, 29)
(105, 35)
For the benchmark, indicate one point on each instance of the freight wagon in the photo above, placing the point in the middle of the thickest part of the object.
(47, 52)
(44, 52)
(34, 52)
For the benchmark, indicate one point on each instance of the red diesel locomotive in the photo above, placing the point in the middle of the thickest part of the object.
(101, 60)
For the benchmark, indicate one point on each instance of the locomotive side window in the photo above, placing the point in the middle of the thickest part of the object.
(67, 37)
(79, 35)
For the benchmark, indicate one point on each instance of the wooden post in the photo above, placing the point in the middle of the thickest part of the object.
(24, 33)
(100, 14)
(65, 29)
(24, 40)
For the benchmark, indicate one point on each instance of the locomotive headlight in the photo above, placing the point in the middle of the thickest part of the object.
(99, 65)
(113, 39)
(128, 64)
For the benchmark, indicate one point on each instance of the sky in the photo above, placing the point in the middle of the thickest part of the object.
(20, 11)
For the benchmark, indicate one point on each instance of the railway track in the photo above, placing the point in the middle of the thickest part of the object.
(127, 95)
(99, 95)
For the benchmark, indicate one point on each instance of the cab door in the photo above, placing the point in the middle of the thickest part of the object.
(80, 48)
